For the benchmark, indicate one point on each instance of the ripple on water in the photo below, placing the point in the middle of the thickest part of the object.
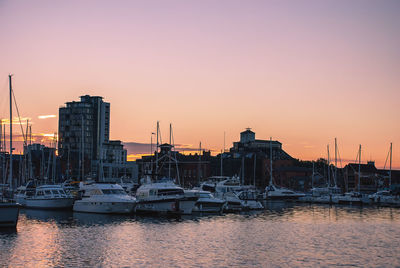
(283, 235)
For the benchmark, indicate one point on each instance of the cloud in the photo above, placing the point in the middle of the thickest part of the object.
(16, 121)
(137, 149)
(47, 116)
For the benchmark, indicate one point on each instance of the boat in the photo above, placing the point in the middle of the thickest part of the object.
(386, 197)
(273, 192)
(9, 211)
(250, 200)
(353, 197)
(164, 197)
(104, 198)
(50, 197)
(206, 202)
(350, 198)
(23, 192)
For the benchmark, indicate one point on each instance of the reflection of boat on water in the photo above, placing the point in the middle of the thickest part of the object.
(47, 215)
(98, 218)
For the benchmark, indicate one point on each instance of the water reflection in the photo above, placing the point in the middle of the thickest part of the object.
(284, 234)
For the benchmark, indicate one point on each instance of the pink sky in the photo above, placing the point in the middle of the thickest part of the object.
(303, 72)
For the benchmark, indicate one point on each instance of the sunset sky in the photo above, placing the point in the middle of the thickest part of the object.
(303, 72)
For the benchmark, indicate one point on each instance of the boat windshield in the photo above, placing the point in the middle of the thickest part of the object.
(113, 191)
(206, 195)
(162, 192)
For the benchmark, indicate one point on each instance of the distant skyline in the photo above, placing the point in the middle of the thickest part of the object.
(301, 72)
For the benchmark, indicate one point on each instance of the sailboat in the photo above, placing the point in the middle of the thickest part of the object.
(9, 211)
(328, 194)
(386, 197)
(273, 192)
(353, 197)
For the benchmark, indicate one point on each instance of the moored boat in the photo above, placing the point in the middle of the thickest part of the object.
(50, 197)
(104, 198)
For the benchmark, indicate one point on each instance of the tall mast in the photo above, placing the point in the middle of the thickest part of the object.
(158, 126)
(199, 165)
(254, 166)
(270, 156)
(329, 170)
(169, 152)
(312, 176)
(390, 170)
(11, 146)
(335, 162)
(359, 168)
(83, 151)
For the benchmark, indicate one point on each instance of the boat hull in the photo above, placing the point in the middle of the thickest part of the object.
(209, 206)
(57, 203)
(104, 207)
(169, 206)
(9, 215)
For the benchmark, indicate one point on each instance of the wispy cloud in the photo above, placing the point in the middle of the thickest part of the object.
(47, 116)
(16, 121)
(137, 149)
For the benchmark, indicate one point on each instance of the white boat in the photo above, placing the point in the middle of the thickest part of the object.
(104, 198)
(350, 198)
(385, 198)
(50, 197)
(24, 191)
(250, 200)
(272, 192)
(206, 202)
(164, 197)
(8, 215)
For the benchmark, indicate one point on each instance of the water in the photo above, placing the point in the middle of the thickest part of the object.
(284, 235)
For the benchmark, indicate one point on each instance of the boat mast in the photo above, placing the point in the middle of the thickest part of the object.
(158, 126)
(169, 152)
(312, 176)
(335, 179)
(270, 156)
(390, 170)
(329, 170)
(11, 147)
(83, 151)
(359, 168)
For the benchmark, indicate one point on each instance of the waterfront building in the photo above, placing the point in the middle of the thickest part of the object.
(84, 142)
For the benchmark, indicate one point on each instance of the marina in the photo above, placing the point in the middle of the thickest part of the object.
(283, 235)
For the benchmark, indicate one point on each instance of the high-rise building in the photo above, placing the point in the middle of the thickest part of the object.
(83, 128)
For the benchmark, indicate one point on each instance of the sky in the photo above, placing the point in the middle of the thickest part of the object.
(301, 72)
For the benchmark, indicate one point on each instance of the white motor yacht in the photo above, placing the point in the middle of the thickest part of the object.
(104, 198)
(385, 198)
(164, 197)
(273, 192)
(206, 202)
(350, 198)
(250, 200)
(50, 197)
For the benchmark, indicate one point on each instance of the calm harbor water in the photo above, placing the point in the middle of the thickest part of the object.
(283, 235)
